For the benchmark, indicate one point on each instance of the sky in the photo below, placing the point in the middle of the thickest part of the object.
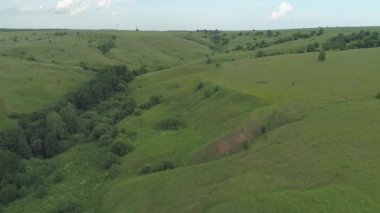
(187, 14)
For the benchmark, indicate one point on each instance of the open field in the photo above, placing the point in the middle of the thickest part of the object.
(282, 133)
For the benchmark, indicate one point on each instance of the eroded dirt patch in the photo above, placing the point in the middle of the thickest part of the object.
(231, 143)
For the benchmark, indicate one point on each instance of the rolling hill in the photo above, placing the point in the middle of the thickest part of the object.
(233, 130)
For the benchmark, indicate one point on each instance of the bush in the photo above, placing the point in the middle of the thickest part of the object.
(121, 148)
(31, 58)
(199, 86)
(8, 193)
(41, 191)
(146, 170)
(263, 130)
(153, 101)
(322, 56)
(246, 145)
(105, 139)
(378, 95)
(108, 160)
(310, 48)
(300, 50)
(57, 177)
(170, 124)
(207, 94)
(100, 130)
(107, 46)
(113, 172)
(68, 207)
(166, 165)
(260, 54)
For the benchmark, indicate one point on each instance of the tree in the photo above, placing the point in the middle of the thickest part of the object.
(320, 32)
(55, 132)
(70, 117)
(322, 55)
(269, 33)
(14, 140)
(310, 48)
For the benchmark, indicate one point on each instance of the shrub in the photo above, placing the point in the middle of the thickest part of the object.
(113, 172)
(145, 106)
(41, 191)
(57, 177)
(166, 165)
(260, 54)
(378, 95)
(263, 130)
(8, 193)
(322, 56)
(107, 46)
(300, 50)
(100, 130)
(170, 124)
(146, 169)
(310, 48)
(199, 86)
(31, 58)
(207, 94)
(209, 61)
(68, 207)
(108, 160)
(121, 148)
(246, 145)
(105, 139)
(153, 101)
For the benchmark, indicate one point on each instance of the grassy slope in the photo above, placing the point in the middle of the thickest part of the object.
(327, 161)
(320, 155)
(28, 86)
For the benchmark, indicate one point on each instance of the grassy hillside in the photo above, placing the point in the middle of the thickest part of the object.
(285, 133)
(40, 66)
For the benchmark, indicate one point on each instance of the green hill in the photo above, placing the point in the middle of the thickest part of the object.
(218, 127)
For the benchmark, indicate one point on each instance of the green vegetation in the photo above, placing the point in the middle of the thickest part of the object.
(231, 122)
(322, 55)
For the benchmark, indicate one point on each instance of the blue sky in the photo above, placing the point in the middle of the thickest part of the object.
(187, 14)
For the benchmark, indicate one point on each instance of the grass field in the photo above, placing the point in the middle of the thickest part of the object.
(319, 152)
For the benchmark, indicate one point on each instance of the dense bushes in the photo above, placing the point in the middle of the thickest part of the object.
(169, 124)
(121, 148)
(106, 46)
(17, 179)
(109, 160)
(353, 41)
(163, 166)
(106, 83)
(83, 115)
(153, 101)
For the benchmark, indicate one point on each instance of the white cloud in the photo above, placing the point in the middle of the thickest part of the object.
(104, 3)
(282, 10)
(71, 7)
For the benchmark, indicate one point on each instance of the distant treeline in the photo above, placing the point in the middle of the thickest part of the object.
(87, 114)
(363, 39)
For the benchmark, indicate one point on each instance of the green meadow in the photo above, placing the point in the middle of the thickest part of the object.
(282, 132)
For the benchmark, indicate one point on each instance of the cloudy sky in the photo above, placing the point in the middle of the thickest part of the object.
(187, 14)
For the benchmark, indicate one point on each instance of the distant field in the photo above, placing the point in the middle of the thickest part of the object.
(282, 133)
